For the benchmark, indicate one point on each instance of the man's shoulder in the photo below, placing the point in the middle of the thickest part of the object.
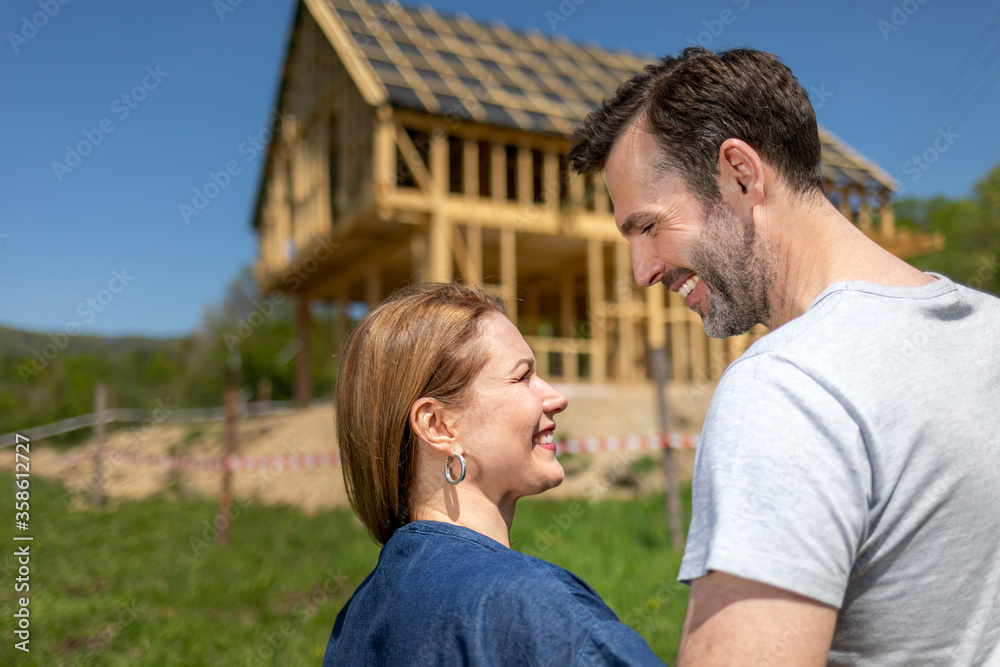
(853, 326)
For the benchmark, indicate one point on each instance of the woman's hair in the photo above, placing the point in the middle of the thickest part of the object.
(423, 341)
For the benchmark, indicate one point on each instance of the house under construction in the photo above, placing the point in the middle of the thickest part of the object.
(415, 146)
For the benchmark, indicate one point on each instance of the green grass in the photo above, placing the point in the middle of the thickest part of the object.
(143, 583)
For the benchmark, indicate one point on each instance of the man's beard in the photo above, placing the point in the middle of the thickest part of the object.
(738, 269)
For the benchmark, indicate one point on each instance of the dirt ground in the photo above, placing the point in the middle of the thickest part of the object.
(593, 411)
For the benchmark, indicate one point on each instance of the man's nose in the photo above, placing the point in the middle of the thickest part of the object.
(646, 267)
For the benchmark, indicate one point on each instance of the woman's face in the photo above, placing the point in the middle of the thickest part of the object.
(507, 430)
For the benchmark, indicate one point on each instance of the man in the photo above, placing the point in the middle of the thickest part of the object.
(846, 493)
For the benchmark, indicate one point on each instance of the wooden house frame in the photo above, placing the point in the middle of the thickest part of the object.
(411, 146)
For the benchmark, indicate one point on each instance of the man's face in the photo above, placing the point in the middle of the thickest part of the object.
(713, 258)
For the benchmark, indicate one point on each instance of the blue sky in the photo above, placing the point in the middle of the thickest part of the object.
(101, 243)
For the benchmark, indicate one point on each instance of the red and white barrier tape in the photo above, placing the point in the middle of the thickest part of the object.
(629, 442)
(310, 461)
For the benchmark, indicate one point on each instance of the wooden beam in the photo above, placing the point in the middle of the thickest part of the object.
(439, 263)
(498, 171)
(470, 167)
(475, 253)
(418, 255)
(525, 187)
(626, 324)
(655, 332)
(567, 321)
(550, 182)
(597, 310)
(716, 357)
(440, 235)
(384, 148)
(531, 307)
(411, 156)
(680, 351)
(699, 341)
(508, 271)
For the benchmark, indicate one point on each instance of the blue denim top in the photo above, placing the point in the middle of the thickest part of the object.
(447, 595)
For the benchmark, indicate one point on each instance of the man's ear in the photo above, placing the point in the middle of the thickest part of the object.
(433, 424)
(741, 172)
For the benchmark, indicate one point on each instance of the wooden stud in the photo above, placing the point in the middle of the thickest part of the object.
(567, 321)
(470, 167)
(525, 188)
(597, 311)
(550, 181)
(440, 236)
(474, 246)
(699, 341)
(716, 357)
(625, 319)
(680, 349)
(418, 255)
(508, 271)
(498, 171)
(384, 155)
(531, 313)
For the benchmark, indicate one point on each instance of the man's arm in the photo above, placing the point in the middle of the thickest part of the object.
(736, 621)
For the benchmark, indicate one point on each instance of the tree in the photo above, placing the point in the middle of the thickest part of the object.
(971, 230)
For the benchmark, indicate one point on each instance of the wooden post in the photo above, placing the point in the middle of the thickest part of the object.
(264, 388)
(625, 319)
(597, 310)
(508, 271)
(699, 344)
(498, 171)
(474, 250)
(228, 449)
(680, 347)
(418, 255)
(97, 490)
(567, 317)
(658, 357)
(440, 250)
(439, 234)
(303, 360)
(470, 167)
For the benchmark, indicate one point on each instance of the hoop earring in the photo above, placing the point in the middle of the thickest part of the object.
(447, 469)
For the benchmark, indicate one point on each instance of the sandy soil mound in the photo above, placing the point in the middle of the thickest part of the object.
(593, 411)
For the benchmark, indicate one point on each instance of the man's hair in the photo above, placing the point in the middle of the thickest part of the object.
(423, 341)
(693, 103)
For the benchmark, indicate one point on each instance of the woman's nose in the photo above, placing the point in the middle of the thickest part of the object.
(555, 401)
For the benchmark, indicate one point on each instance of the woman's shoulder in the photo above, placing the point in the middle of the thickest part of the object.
(478, 563)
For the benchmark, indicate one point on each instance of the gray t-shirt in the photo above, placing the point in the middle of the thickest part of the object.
(853, 456)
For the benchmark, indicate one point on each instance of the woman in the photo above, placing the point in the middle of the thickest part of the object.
(443, 425)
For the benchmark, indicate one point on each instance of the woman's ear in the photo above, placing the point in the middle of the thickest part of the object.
(433, 424)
